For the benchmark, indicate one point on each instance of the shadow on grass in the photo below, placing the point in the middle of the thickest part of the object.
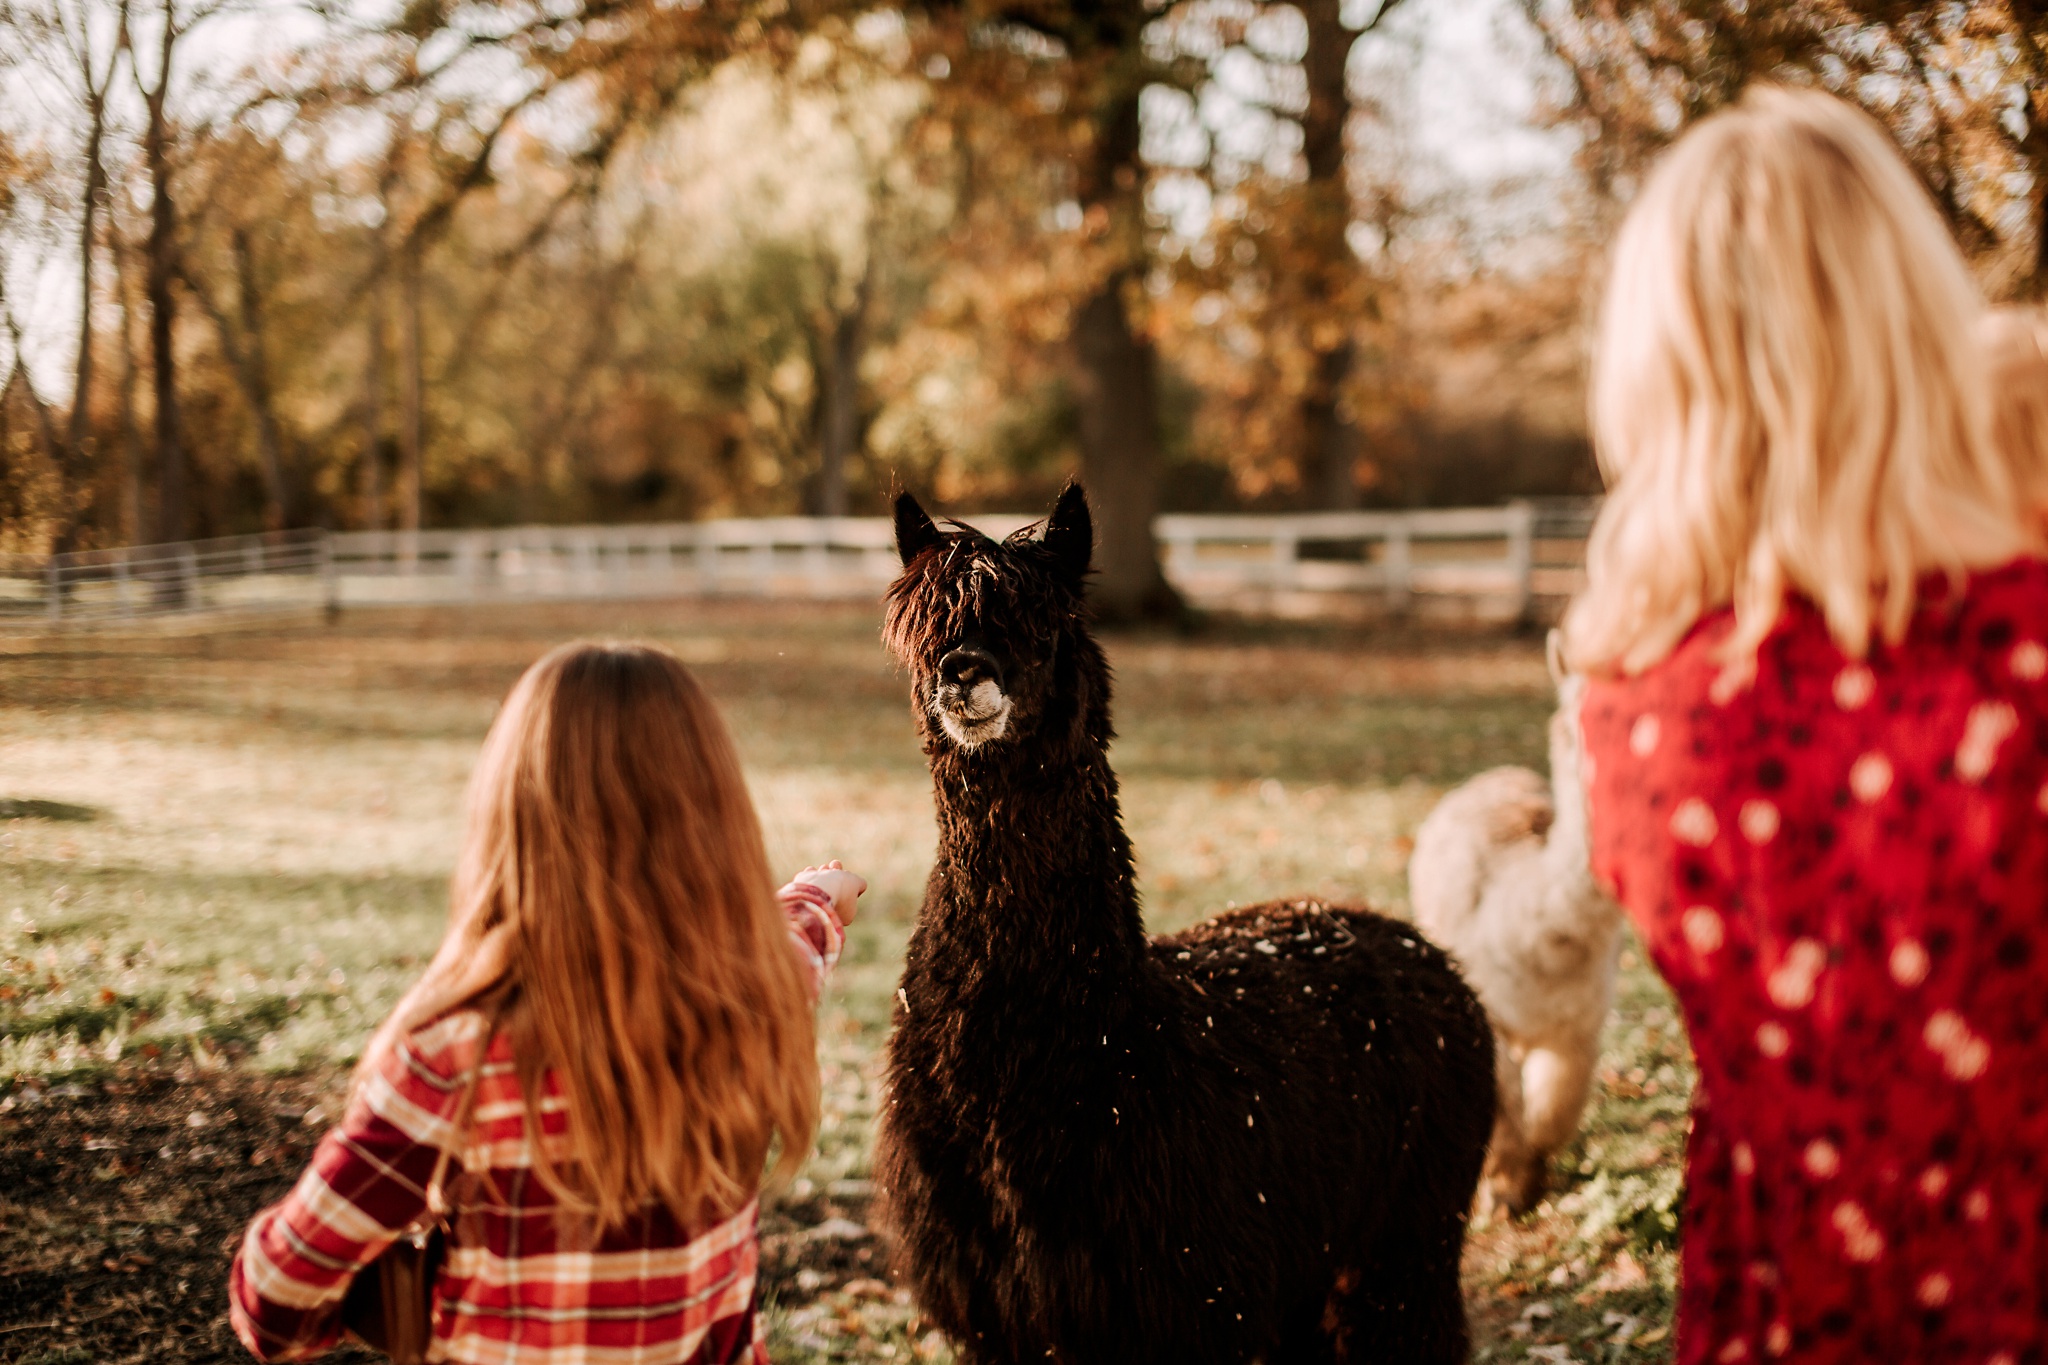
(30, 808)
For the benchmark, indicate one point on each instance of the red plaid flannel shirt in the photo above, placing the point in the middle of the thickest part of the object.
(518, 1284)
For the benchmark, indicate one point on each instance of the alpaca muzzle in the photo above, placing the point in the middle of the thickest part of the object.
(968, 700)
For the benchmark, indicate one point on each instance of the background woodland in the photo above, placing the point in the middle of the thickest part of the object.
(458, 262)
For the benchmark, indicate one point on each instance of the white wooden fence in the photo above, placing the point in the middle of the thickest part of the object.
(1491, 561)
(1482, 553)
(236, 573)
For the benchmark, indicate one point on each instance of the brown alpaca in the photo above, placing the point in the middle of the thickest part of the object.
(1255, 1140)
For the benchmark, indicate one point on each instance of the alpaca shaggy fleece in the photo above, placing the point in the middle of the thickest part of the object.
(1254, 1140)
(1502, 879)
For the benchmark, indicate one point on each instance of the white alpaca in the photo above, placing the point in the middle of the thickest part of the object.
(1500, 879)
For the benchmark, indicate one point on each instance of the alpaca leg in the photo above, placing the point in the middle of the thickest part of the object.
(1555, 1083)
(1514, 1171)
(1321, 1330)
(1408, 1308)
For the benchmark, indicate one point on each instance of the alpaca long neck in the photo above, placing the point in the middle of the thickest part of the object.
(1033, 861)
(1566, 847)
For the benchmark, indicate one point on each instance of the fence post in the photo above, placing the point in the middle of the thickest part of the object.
(704, 554)
(330, 581)
(1180, 558)
(1521, 555)
(53, 588)
(818, 557)
(121, 584)
(1400, 564)
(483, 563)
(188, 563)
(1286, 557)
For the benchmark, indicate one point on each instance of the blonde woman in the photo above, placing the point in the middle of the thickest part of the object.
(631, 1000)
(1818, 742)
(2015, 342)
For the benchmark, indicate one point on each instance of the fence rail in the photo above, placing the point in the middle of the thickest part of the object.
(238, 573)
(1494, 561)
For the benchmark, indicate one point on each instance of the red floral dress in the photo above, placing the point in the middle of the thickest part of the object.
(1843, 873)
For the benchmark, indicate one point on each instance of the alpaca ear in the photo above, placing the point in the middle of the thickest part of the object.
(1070, 532)
(914, 530)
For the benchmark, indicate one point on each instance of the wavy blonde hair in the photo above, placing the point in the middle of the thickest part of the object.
(2015, 349)
(613, 902)
(1786, 394)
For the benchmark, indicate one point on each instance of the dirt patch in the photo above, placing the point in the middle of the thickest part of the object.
(124, 1202)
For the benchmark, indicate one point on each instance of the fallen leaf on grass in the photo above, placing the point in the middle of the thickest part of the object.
(1626, 1326)
(1625, 1272)
(838, 1230)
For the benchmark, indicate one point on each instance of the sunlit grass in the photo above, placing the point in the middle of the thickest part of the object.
(244, 855)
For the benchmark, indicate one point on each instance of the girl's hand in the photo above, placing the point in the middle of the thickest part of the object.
(835, 881)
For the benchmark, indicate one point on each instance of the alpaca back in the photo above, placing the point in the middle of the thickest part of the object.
(1500, 877)
(1495, 821)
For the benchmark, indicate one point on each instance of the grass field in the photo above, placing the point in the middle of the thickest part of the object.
(225, 856)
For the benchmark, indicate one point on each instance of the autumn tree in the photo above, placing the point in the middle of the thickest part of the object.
(1963, 87)
(33, 502)
(74, 51)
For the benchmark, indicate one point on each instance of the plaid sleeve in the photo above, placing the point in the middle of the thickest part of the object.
(366, 1184)
(814, 927)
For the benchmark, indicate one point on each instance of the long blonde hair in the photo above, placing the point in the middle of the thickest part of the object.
(613, 899)
(1786, 395)
(2015, 352)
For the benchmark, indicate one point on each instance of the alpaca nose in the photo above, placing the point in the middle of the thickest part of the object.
(967, 669)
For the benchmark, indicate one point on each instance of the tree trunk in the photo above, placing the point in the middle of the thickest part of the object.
(254, 367)
(411, 477)
(1118, 405)
(135, 524)
(173, 511)
(840, 427)
(1330, 441)
(1115, 368)
(1329, 97)
(77, 456)
(373, 413)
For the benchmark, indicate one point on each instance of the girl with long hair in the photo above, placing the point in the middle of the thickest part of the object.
(615, 1038)
(1817, 733)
